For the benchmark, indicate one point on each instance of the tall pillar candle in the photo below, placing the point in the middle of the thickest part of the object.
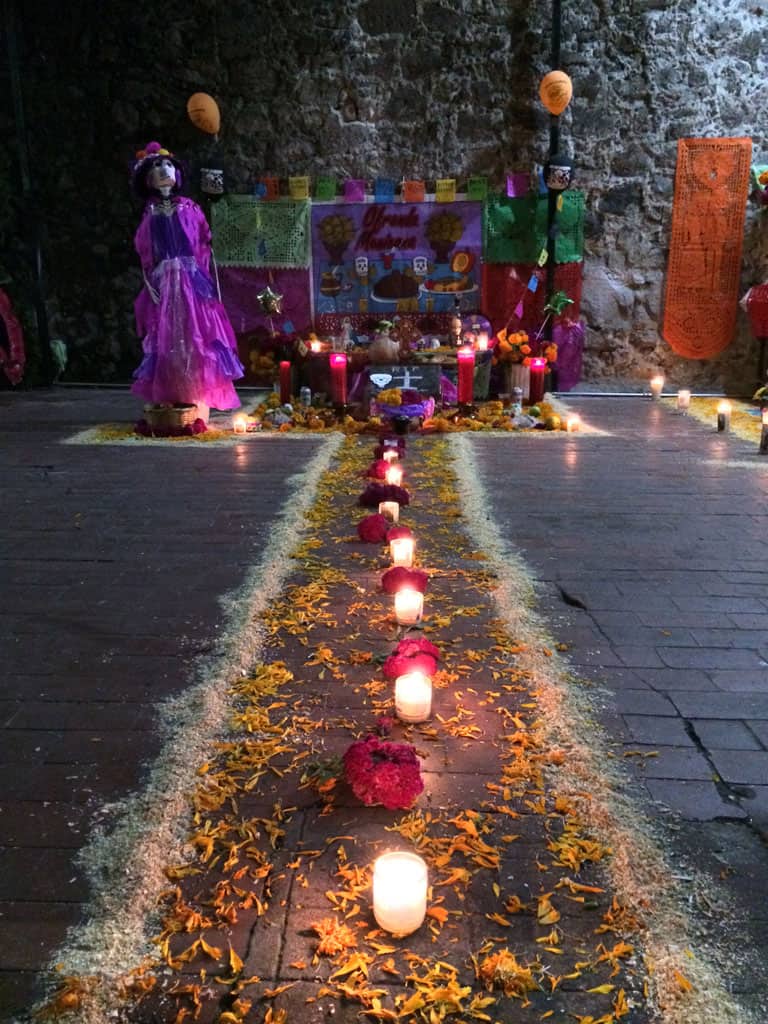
(399, 892)
(465, 358)
(285, 381)
(538, 368)
(338, 365)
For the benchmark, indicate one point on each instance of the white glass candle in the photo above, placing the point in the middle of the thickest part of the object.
(683, 400)
(239, 424)
(390, 509)
(399, 892)
(413, 697)
(390, 455)
(482, 341)
(401, 551)
(394, 475)
(316, 346)
(573, 423)
(724, 415)
(409, 606)
(657, 386)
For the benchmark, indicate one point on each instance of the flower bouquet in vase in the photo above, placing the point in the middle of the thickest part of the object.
(512, 352)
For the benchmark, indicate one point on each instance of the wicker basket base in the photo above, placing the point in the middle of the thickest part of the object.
(170, 417)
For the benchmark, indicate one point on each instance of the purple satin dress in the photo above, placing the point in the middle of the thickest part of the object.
(190, 351)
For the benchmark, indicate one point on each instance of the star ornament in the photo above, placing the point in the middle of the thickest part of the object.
(270, 302)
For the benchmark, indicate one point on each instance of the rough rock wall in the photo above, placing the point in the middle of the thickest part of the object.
(365, 87)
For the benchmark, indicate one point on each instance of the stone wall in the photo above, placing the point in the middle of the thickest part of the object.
(364, 87)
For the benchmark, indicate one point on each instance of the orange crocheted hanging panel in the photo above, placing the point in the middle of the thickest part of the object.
(711, 189)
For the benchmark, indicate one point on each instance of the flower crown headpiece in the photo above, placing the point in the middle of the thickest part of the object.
(151, 150)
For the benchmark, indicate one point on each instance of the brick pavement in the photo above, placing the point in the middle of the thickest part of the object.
(649, 551)
(112, 563)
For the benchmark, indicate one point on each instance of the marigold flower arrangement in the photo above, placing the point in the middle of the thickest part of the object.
(512, 347)
(391, 396)
(382, 772)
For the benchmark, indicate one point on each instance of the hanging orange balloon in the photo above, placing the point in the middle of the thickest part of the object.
(203, 112)
(555, 91)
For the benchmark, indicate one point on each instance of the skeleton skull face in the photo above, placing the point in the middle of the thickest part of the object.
(420, 265)
(361, 266)
(162, 174)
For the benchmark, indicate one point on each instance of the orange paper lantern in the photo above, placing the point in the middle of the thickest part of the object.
(204, 112)
(555, 91)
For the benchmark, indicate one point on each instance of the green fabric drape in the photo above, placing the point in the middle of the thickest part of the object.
(515, 230)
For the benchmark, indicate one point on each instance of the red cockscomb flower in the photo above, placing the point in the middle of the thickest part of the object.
(373, 529)
(398, 576)
(381, 772)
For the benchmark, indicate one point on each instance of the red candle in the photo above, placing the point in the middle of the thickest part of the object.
(338, 364)
(285, 382)
(466, 365)
(538, 369)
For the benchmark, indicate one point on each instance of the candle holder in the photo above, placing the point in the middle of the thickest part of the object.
(723, 417)
(413, 697)
(401, 551)
(538, 368)
(465, 369)
(683, 401)
(390, 509)
(409, 606)
(399, 892)
(285, 382)
(657, 386)
(394, 475)
(337, 363)
(239, 425)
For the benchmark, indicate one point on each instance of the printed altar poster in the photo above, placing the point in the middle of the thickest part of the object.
(386, 258)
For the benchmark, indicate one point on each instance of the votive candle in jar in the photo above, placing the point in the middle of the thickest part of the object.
(390, 509)
(482, 341)
(316, 346)
(723, 416)
(409, 606)
(394, 475)
(413, 697)
(399, 892)
(239, 424)
(401, 551)
(683, 400)
(657, 386)
(573, 423)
